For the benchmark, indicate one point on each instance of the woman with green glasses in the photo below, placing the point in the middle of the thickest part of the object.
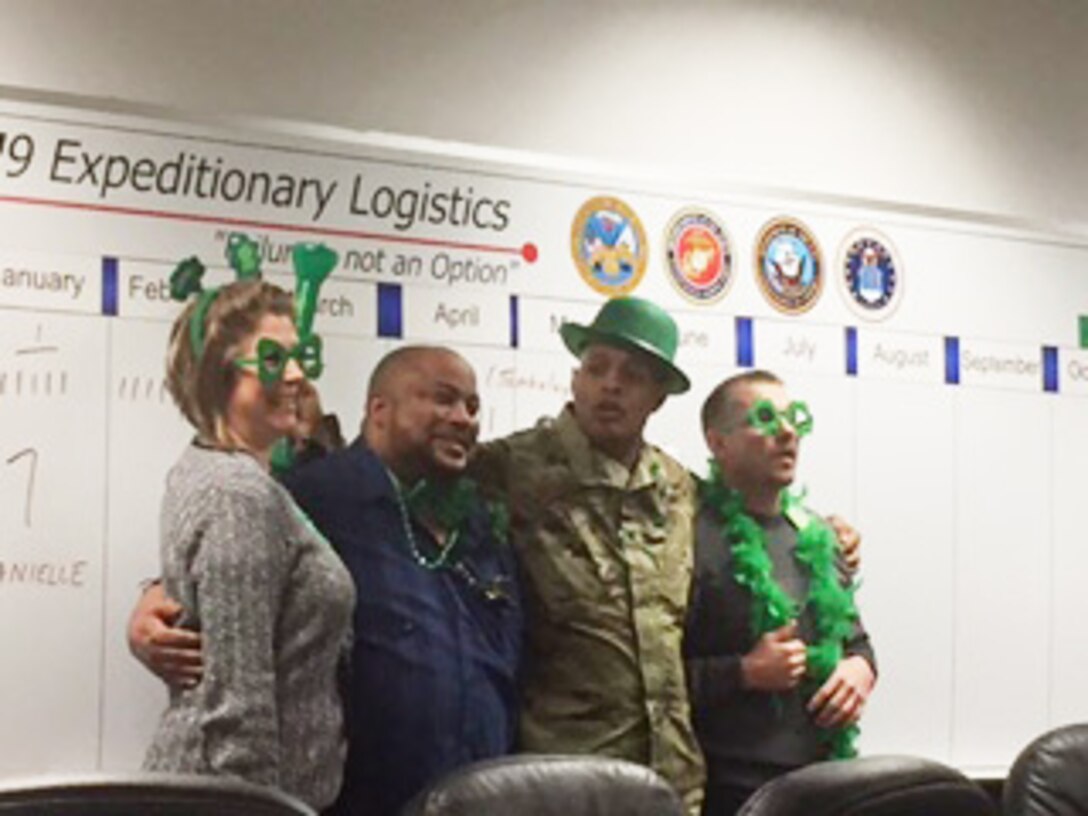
(271, 600)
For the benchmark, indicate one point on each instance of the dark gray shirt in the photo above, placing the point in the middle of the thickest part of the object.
(748, 737)
(273, 603)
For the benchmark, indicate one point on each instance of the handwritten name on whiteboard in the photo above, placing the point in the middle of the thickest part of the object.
(58, 574)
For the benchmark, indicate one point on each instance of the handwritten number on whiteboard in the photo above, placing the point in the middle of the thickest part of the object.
(32, 455)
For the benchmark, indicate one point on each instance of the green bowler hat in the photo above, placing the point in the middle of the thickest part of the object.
(633, 323)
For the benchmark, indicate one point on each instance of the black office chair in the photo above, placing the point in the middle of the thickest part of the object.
(871, 786)
(1050, 777)
(548, 785)
(139, 794)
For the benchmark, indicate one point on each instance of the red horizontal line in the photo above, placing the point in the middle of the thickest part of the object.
(245, 222)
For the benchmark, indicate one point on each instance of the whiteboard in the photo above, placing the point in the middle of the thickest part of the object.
(951, 430)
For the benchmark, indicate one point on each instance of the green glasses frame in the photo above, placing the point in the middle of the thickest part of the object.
(767, 419)
(272, 358)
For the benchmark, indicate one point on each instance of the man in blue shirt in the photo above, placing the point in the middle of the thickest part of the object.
(432, 681)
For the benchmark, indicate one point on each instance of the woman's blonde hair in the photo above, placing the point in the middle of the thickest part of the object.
(201, 379)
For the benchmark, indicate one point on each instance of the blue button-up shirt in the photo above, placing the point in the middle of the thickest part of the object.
(433, 680)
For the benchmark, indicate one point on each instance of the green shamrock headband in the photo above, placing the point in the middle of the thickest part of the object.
(313, 263)
(767, 420)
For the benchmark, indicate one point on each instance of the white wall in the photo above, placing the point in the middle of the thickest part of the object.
(979, 105)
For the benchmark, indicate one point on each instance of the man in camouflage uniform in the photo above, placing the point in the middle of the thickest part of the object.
(602, 523)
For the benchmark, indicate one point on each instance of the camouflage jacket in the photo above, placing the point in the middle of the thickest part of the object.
(606, 560)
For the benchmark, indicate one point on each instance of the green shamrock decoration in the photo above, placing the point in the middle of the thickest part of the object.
(244, 256)
(313, 264)
(185, 279)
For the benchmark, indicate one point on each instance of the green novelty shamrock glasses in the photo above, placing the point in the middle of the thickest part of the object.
(272, 358)
(767, 419)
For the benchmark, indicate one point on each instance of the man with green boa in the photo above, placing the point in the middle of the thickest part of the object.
(602, 524)
(779, 665)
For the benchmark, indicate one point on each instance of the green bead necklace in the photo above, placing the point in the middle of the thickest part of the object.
(446, 553)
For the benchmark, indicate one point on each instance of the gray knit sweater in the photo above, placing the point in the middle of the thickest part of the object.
(274, 603)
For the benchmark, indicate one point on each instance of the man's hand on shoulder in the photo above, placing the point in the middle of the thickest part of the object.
(841, 699)
(849, 542)
(169, 652)
(776, 662)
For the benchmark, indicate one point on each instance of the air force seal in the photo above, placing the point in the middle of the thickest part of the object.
(698, 256)
(609, 246)
(789, 268)
(870, 274)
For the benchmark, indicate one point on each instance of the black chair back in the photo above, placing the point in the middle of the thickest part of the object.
(548, 785)
(1050, 777)
(139, 794)
(871, 786)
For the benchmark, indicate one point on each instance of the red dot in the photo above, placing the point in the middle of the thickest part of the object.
(529, 253)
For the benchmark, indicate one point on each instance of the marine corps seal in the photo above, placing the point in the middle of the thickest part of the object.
(698, 256)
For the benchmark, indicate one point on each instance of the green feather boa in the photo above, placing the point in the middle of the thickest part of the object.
(833, 611)
(450, 504)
